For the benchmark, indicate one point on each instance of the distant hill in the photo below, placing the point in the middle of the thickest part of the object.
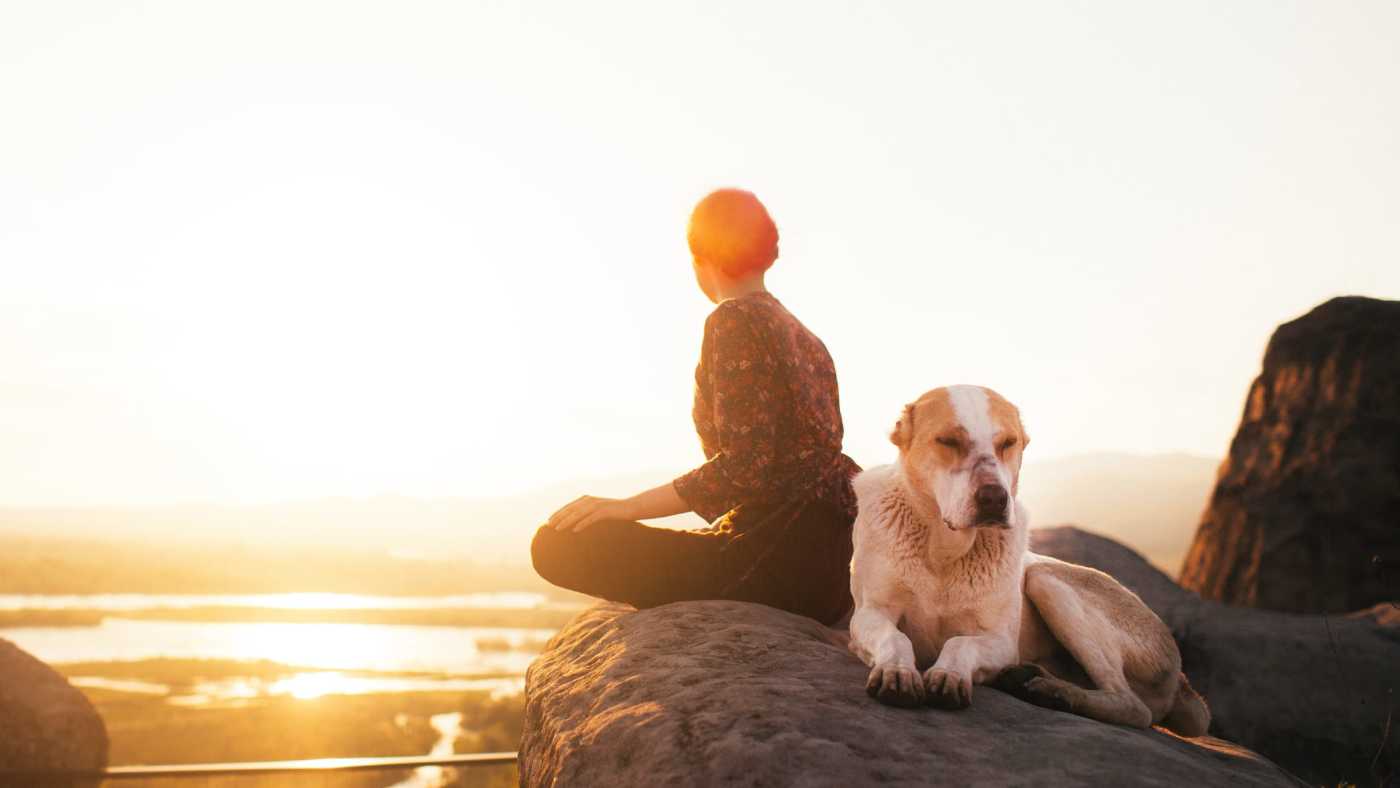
(1151, 502)
(487, 531)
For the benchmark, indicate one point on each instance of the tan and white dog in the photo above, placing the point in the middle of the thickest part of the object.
(947, 594)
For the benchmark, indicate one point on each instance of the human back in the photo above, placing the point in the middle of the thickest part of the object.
(774, 485)
(801, 391)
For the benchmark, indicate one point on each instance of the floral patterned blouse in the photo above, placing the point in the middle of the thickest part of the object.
(768, 414)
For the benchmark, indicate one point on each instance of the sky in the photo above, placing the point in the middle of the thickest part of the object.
(263, 251)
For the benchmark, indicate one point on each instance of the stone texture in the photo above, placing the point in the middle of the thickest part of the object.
(708, 693)
(1305, 516)
(45, 723)
(1311, 692)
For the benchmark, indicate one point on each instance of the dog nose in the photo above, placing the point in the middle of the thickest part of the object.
(991, 498)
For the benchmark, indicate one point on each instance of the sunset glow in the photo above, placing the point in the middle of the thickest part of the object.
(442, 251)
(751, 379)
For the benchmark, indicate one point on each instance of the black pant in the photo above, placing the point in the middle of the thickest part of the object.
(804, 568)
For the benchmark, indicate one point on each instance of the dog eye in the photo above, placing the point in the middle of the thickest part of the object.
(1008, 443)
(952, 443)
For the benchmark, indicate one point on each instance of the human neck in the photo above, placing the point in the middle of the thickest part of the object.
(734, 288)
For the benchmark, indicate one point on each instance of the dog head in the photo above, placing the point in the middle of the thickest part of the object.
(960, 447)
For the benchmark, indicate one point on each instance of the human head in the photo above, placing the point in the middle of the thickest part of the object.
(731, 234)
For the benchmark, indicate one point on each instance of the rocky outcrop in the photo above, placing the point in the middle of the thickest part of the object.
(45, 723)
(1305, 516)
(707, 693)
(1311, 692)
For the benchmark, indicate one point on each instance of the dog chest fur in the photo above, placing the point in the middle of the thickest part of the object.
(948, 595)
(899, 556)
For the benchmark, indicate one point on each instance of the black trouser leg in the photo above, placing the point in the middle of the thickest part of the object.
(809, 573)
(624, 561)
(627, 561)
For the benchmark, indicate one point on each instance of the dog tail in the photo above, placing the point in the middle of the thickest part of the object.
(1189, 715)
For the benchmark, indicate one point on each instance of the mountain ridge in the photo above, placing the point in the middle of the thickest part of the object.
(1151, 501)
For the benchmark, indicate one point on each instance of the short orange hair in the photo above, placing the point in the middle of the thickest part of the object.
(730, 228)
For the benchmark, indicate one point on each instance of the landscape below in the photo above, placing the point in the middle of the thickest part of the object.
(253, 671)
(247, 648)
(223, 640)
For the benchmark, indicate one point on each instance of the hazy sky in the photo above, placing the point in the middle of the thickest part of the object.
(255, 251)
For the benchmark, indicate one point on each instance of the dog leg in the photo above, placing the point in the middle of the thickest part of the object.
(966, 660)
(876, 639)
(1090, 640)
(1034, 684)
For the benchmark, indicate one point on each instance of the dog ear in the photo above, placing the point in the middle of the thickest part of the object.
(903, 431)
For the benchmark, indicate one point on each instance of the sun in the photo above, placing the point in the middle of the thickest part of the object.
(308, 686)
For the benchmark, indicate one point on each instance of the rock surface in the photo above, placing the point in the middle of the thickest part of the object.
(707, 693)
(1311, 692)
(45, 723)
(1305, 516)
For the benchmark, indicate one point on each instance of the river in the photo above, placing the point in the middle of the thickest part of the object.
(328, 657)
(322, 658)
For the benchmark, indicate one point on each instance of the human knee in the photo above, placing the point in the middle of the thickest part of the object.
(545, 552)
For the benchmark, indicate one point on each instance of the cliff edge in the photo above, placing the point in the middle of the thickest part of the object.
(45, 723)
(715, 692)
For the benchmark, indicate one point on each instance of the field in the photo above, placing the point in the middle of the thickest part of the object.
(147, 729)
(171, 711)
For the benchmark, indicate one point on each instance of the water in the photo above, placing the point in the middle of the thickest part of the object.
(323, 657)
(449, 729)
(306, 685)
(374, 647)
(506, 600)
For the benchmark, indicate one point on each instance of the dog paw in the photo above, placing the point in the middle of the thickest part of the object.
(1013, 680)
(1050, 693)
(947, 689)
(893, 685)
(1031, 683)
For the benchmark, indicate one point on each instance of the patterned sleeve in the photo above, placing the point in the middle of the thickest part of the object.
(745, 386)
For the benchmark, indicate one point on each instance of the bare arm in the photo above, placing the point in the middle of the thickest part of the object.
(660, 501)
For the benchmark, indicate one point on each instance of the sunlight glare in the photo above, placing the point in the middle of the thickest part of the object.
(307, 686)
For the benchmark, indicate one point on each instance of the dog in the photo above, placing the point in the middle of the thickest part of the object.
(948, 595)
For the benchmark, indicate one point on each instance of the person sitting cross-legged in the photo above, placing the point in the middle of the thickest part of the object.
(776, 486)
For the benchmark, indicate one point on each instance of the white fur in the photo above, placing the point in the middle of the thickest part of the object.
(960, 611)
(940, 605)
(971, 405)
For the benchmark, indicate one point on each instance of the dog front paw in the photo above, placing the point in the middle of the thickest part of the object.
(947, 689)
(895, 685)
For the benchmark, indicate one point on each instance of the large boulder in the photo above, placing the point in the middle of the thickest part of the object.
(707, 693)
(45, 723)
(1305, 516)
(1315, 693)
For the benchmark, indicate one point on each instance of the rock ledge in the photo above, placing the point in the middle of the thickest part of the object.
(45, 723)
(704, 693)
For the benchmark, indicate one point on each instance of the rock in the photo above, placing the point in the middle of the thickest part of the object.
(707, 693)
(1305, 516)
(45, 723)
(1311, 692)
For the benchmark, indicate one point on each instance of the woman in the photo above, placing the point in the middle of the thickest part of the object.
(776, 487)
